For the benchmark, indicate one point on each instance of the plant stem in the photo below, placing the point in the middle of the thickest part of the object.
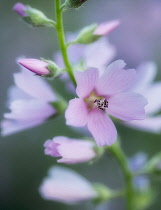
(128, 177)
(61, 38)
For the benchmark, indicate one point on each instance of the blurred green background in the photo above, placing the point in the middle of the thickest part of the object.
(23, 164)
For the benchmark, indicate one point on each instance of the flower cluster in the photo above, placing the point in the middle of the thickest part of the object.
(106, 92)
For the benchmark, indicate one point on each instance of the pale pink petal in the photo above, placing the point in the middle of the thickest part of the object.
(34, 86)
(20, 9)
(152, 93)
(77, 113)
(35, 65)
(127, 106)
(74, 150)
(145, 74)
(99, 54)
(65, 185)
(105, 28)
(101, 127)
(86, 81)
(29, 110)
(51, 148)
(115, 79)
(10, 126)
(150, 124)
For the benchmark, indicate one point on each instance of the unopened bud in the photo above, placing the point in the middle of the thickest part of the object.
(40, 67)
(93, 32)
(20, 9)
(74, 3)
(32, 16)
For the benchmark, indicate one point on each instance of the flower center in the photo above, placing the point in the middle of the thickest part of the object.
(96, 101)
(101, 103)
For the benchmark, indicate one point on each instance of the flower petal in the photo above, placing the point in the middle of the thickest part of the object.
(101, 47)
(115, 79)
(34, 86)
(145, 74)
(102, 128)
(154, 101)
(127, 106)
(29, 110)
(105, 28)
(74, 150)
(9, 127)
(77, 113)
(86, 81)
(66, 186)
(150, 124)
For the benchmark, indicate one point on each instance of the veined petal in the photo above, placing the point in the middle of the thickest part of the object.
(77, 113)
(127, 106)
(34, 86)
(150, 124)
(101, 127)
(115, 79)
(86, 81)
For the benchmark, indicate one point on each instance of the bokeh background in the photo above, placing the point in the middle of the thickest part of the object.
(22, 161)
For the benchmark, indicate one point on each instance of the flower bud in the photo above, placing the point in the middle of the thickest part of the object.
(74, 3)
(71, 151)
(93, 32)
(41, 67)
(32, 16)
(66, 186)
(20, 9)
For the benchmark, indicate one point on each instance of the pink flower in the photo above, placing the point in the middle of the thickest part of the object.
(20, 9)
(65, 185)
(144, 84)
(99, 95)
(29, 102)
(105, 28)
(70, 150)
(35, 65)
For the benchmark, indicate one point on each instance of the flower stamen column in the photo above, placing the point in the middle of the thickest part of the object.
(61, 38)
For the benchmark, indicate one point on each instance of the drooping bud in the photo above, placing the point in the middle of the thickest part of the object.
(93, 32)
(41, 67)
(74, 3)
(32, 16)
(20, 9)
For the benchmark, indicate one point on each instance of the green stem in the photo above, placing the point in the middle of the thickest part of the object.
(61, 38)
(128, 177)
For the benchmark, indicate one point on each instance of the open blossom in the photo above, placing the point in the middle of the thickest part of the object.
(100, 95)
(65, 185)
(70, 150)
(144, 85)
(29, 102)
